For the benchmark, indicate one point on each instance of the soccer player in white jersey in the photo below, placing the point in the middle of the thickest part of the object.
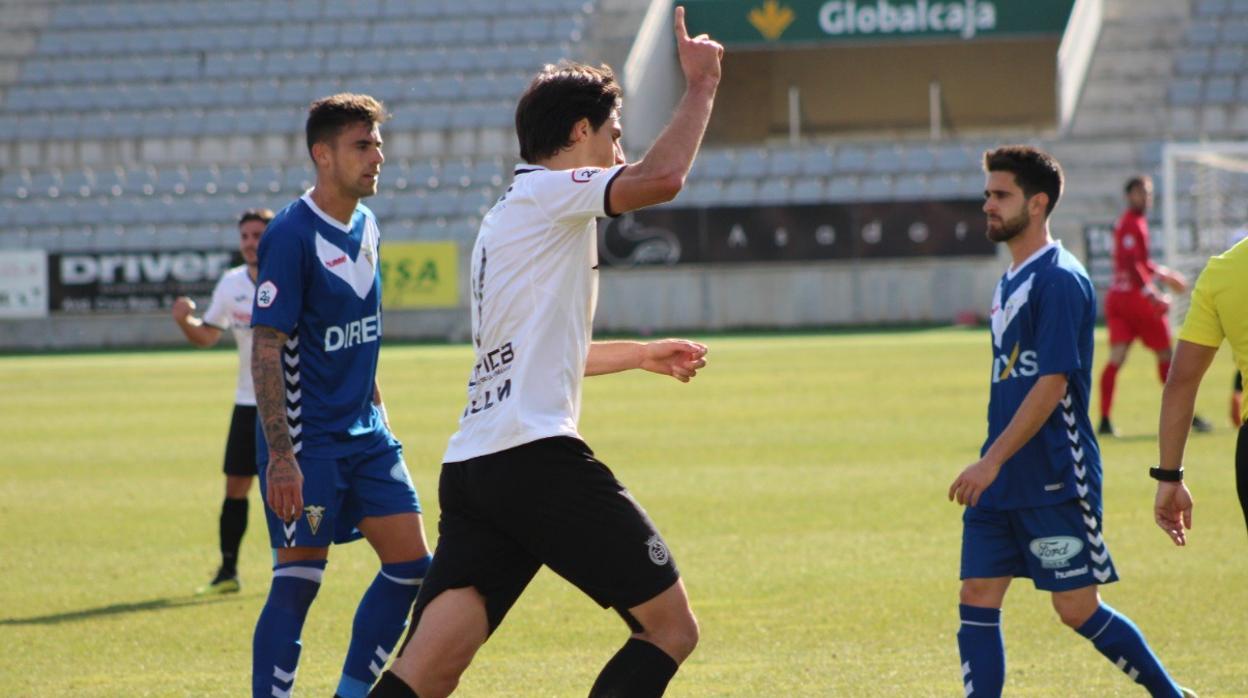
(230, 309)
(519, 488)
(331, 470)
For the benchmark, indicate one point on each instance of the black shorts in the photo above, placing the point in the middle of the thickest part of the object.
(549, 502)
(240, 447)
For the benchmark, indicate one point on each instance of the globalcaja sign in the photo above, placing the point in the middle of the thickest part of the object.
(762, 23)
(132, 281)
(797, 233)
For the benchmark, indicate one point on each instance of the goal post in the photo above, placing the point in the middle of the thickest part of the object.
(1204, 192)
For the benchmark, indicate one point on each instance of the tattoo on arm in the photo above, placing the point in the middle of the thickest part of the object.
(266, 373)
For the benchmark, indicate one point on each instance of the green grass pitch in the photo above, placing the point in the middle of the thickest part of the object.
(800, 482)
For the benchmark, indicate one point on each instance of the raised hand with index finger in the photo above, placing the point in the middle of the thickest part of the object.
(699, 56)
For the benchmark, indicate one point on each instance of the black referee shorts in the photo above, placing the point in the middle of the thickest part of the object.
(240, 447)
(549, 502)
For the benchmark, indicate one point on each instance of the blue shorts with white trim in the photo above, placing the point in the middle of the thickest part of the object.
(1058, 547)
(339, 492)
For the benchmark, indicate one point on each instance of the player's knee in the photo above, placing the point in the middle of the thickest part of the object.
(979, 594)
(436, 674)
(1073, 613)
(678, 636)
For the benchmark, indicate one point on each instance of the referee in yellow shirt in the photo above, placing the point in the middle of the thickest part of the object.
(1219, 310)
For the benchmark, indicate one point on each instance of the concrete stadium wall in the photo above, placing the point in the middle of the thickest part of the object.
(642, 301)
(794, 296)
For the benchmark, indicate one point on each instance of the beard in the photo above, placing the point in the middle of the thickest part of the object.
(1007, 230)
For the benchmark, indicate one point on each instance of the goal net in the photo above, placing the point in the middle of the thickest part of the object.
(1204, 207)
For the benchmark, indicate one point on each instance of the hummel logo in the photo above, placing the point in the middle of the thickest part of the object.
(335, 262)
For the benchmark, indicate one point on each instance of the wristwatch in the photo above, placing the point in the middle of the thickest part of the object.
(1163, 475)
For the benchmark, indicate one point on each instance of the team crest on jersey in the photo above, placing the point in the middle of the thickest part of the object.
(266, 294)
(658, 550)
(585, 174)
(315, 514)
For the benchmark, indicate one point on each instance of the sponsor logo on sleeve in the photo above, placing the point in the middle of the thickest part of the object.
(266, 294)
(585, 174)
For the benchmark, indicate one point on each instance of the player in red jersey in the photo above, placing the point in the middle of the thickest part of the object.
(1134, 307)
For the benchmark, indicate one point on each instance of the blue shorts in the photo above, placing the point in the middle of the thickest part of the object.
(1059, 547)
(338, 492)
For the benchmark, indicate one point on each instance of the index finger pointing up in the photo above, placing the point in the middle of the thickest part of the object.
(681, 32)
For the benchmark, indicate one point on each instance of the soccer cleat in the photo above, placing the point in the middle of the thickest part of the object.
(1188, 693)
(1106, 428)
(220, 584)
(1200, 425)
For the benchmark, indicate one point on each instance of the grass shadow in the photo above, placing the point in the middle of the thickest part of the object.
(172, 602)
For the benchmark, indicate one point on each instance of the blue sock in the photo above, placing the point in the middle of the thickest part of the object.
(379, 623)
(1116, 637)
(275, 646)
(982, 647)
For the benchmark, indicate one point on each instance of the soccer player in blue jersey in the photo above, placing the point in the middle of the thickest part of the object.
(1033, 499)
(329, 467)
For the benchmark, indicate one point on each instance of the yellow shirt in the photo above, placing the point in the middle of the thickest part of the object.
(1219, 308)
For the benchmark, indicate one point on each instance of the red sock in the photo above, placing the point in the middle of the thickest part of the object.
(1108, 376)
(1163, 370)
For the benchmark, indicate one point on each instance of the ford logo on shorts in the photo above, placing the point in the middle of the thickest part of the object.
(1056, 551)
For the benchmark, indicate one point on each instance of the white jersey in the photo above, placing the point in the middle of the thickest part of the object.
(534, 289)
(230, 309)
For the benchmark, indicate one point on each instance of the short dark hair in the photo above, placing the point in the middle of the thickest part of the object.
(1136, 181)
(556, 99)
(329, 115)
(263, 215)
(1035, 171)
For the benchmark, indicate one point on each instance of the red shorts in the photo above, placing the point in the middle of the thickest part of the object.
(1131, 315)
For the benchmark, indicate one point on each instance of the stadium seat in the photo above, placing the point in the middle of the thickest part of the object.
(1202, 32)
(1219, 90)
(945, 186)
(752, 163)
(887, 160)
(1184, 91)
(910, 186)
(1212, 8)
(1192, 61)
(409, 205)
(704, 192)
(774, 191)
(852, 159)
(14, 184)
(78, 182)
(818, 162)
(876, 187)
(45, 183)
(1235, 31)
(1228, 60)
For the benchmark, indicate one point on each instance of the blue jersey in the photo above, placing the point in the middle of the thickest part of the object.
(319, 284)
(1042, 320)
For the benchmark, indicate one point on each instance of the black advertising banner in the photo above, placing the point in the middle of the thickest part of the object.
(132, 281)
(798, 233)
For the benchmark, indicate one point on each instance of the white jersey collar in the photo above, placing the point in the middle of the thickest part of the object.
(1015, 271)
(307, 199)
